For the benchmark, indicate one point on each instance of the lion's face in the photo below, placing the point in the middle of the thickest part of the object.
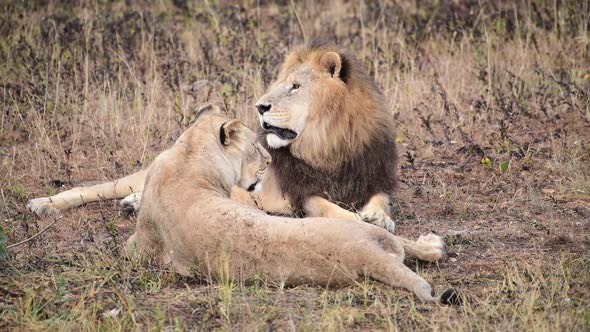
(308, 84)
(283, 111)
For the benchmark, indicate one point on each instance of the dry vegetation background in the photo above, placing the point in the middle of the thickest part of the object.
(492, 105)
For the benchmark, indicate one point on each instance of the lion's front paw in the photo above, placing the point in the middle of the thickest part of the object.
(131, 204)
(379, 218)
(42, 207)
(435, 246)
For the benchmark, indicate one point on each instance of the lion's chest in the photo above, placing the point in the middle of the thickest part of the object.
(350, 185)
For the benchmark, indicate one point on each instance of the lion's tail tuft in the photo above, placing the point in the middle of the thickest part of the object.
(452, 296)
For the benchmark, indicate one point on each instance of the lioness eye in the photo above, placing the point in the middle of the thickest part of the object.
(295, 86)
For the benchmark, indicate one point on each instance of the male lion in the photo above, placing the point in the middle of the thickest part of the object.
(188, 219)
(331, 137)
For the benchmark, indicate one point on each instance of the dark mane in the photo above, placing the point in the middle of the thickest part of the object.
(350, 186)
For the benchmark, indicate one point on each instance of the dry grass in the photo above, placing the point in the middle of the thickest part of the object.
(493, 113)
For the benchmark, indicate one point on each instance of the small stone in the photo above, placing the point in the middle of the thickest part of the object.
(111, 313)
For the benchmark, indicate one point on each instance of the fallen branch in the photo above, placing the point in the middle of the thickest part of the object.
(34, 236)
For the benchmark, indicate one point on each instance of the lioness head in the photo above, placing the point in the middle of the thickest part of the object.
(248, 157)
(323, 106)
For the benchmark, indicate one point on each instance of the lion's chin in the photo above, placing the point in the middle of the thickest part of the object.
(275, 142)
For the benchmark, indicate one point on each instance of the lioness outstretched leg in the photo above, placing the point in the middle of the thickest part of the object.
(77, 196)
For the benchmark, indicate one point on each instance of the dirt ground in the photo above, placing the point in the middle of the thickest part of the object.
(492, 106)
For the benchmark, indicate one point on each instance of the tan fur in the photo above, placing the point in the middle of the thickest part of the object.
(187, 219)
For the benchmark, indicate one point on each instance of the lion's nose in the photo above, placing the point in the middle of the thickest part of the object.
(263, 108)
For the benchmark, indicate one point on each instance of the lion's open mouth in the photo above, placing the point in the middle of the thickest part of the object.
(286, 134)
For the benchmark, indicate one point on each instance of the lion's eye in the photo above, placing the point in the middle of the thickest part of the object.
(295, 86)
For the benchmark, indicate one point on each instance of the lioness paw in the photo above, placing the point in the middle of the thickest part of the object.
(435, 245)
(379, 218)
(131, 204)
(431, 240)
(42, 207)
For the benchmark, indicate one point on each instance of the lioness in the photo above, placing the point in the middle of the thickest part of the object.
(330, 133)
(188, 219)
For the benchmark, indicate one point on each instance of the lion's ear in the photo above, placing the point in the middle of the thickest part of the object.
(228, 132)
(331, 62)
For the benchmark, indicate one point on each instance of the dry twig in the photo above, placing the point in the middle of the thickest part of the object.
(34, 236)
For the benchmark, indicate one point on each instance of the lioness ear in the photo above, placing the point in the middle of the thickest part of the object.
(229, 132)
(332, 63)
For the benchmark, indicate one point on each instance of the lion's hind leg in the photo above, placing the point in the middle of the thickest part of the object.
(80, 195)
